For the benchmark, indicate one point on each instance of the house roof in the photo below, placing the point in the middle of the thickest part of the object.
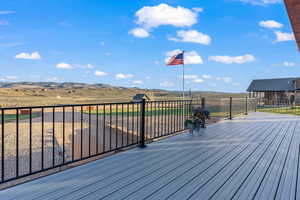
(279, 84)
(138, 97)
(293, 8)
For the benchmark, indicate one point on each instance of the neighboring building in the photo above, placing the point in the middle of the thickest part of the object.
(140, 97)
(275, 91)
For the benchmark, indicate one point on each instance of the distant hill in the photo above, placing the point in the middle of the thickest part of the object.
(67, 85)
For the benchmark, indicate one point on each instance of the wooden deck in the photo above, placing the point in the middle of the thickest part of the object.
(252, 157)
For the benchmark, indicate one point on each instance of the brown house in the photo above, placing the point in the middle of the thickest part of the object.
(276, 91)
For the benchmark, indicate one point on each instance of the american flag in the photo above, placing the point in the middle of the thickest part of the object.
(177, 59)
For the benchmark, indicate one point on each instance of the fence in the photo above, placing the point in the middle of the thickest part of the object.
(224, 108)
(36, 139)
(277, 105)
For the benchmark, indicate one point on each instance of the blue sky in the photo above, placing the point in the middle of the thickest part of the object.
(126, 42)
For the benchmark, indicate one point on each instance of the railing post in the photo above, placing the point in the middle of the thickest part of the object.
(203, 102)
(246, 113)
(142, 130)
(255, 108)
(230, 108)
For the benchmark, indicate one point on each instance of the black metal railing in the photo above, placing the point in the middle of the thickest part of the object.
(35, 139)
(278, 105)
(39, 138)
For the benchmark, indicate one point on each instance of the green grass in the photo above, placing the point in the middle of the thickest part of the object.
(219, 114)
(293, 110)
(135, 112)
(13, 117)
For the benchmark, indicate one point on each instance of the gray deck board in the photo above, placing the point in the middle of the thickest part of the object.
(251, 157)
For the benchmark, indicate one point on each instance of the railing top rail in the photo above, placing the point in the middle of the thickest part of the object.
(92, 104)
(67, 105)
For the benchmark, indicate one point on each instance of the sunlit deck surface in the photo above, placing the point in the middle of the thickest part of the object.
(251, 157)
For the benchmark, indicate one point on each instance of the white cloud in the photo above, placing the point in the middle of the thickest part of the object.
(29, 56)
(191, 57)
(163, 14)
(230, 60)
(4, 23)
(5, 12)
(52, 79)
(288, 64)
(167, 84)
(100, 73)
(198, 80)
(283, 37)
(64, 66)
(190, 76)
(139, 32)
(261, 2)
(64, 24)
(192, 36)
(137, 82)
(225, 79)
(11, 77)
(197, 9)
(123, 76)
(88, 66)
(206, 76)
(270, 24)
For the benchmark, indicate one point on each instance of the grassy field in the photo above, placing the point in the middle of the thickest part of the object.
(38, 96)
(13, 117)
(292, 110)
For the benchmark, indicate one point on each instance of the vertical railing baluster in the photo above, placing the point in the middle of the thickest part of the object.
(73, 139)
(168, 118)
(81, 132)
(89, 131)
(104, 126)
(174, 117)
(132, 123)
(122, 125)
(2, 149)
(146, 121)
(97, 129)
(42, 154)
(165, 118)
(142, 126)
(17, 142)
(117, 113)
(110, 128)
(63, 127)
(53, 137)
(177, 116)
(137, 122)
(159, 119)
(127, 134)
(155, 119)
(230, 108)
(30, 140)
(151, 121)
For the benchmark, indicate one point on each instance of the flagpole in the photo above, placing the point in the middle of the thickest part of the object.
(183, 76)
(183, 80)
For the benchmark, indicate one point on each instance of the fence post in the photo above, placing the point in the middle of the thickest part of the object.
(255, 108)
(230, 108)
(142, 130)
(246, 106)
(203, 102)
